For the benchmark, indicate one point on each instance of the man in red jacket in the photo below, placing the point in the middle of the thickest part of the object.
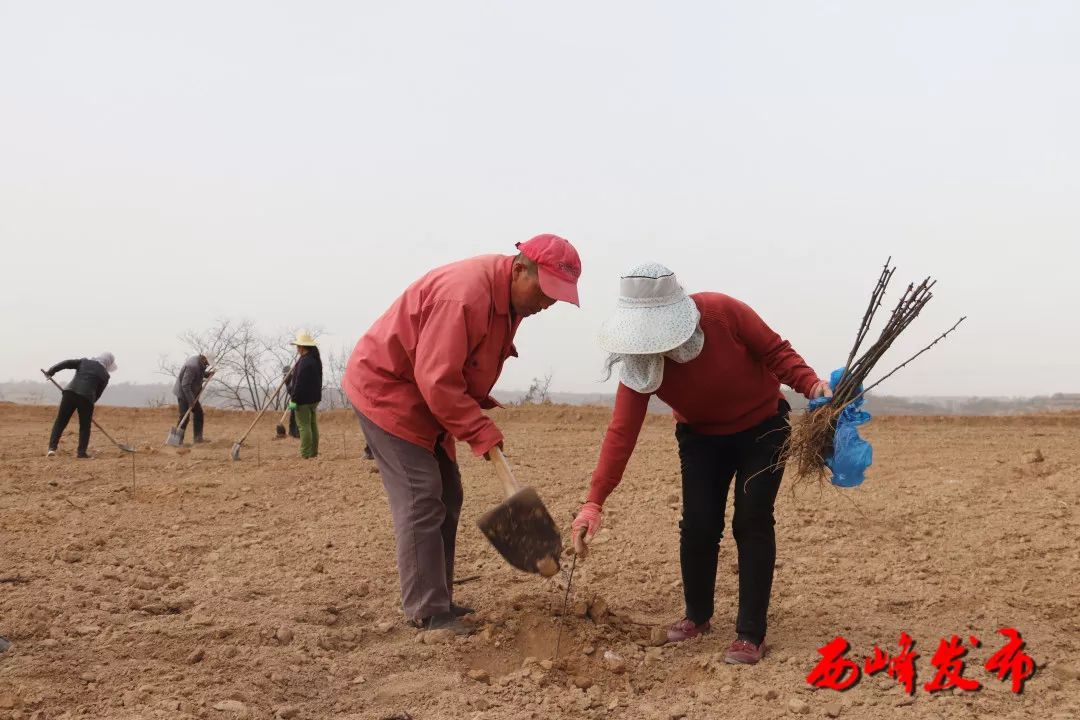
(419, 380)
(719, 367)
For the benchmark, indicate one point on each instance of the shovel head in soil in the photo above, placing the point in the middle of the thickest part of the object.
(524, 533)
(176, 437)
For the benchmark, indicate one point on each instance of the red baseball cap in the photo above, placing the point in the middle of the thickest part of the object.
(558, 264)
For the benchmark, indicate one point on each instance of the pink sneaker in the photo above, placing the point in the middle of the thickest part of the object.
(685, 629)
(744, 652)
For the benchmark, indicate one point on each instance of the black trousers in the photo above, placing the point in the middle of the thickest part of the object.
(196, 416)
(69, 403)
(709, 462)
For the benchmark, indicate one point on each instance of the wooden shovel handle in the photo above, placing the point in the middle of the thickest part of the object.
(286, 413)
(502, 469)
(265, 407)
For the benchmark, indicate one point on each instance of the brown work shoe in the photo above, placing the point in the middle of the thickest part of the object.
(686, 629)
(744, 652)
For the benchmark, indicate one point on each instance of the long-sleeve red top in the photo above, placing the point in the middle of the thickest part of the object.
(427, 366)
(733, 385)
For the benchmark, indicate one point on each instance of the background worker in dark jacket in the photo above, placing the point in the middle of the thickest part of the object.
(305, 392)
(91, 377)
(286, 375)
(189, 384)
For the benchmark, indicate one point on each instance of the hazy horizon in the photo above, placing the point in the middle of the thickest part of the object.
(162, 166)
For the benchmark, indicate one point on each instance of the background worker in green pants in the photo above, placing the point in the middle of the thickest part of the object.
(305, 393)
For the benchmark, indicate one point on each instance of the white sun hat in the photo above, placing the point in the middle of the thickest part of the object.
(653, 315)
(107, 360)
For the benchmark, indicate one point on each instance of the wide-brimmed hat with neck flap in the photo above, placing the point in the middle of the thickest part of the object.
(653, 314)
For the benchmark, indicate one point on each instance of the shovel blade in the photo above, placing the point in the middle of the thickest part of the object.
(176, 439)
(235, 452)
(524, 533)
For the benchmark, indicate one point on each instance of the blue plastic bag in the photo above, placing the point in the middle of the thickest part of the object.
(851, 454)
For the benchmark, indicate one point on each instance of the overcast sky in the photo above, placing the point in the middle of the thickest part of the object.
(164, 164)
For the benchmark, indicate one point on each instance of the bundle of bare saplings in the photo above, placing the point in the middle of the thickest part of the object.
(811, 439)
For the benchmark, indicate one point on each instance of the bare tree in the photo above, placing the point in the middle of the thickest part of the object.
(537, 393)
(249, 365)
(214, 343)
(249, 374)
(158, 401)
(333, 373)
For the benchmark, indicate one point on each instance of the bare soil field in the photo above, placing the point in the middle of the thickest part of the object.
(265, 588)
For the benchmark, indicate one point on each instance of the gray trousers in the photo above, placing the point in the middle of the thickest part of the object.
(424, 490)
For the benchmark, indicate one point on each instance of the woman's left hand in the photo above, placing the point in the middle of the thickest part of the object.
(821, 389)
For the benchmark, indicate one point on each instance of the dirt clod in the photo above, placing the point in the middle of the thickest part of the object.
(614, 662)
(1034, 456)
(438, 637)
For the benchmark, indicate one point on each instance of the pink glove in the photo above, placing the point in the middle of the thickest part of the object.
(589, 517)
(821, 389)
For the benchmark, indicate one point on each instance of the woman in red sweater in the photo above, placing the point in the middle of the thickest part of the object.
(719, 367)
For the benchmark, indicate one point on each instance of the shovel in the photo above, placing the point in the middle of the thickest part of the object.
(280, 429)
(125, 448)
(235, 452)
(520, 527)
(176, 435)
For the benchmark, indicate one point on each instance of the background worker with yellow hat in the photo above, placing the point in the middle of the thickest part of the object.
(305, 393)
